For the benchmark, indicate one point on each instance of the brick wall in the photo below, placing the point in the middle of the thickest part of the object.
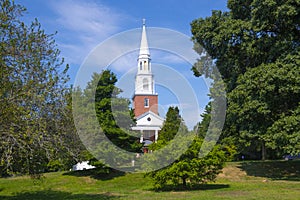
(139, 107)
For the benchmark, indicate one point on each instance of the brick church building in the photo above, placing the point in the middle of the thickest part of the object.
(145, 99)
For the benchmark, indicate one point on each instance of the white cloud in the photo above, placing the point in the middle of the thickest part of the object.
(86, 17)
(83, 25)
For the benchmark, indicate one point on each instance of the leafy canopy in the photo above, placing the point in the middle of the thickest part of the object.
(255, 46)
(35, 126)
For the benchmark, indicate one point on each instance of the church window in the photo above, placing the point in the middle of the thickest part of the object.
(145, 65)
(145, 84)
(141, 65)
(146, 102)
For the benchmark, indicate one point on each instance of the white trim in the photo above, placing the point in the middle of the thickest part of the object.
(151, 113)
(146, 128)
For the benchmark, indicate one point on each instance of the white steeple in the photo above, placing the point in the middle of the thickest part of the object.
(144, 49)
(144, 83)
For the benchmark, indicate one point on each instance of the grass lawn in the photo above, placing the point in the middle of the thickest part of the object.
(239, 180)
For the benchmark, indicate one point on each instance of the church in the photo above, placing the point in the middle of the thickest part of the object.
(145, 99)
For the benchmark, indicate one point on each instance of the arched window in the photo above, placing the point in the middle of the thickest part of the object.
(145, 65)
(141, 65)
(145, 84)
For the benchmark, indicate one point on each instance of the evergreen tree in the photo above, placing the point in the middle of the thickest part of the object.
(113, 112)
(171, 125)
(182, 157)
(189, 167)
(202, 127)
(114, 120)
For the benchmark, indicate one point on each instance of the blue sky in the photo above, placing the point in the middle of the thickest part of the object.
(83, 25)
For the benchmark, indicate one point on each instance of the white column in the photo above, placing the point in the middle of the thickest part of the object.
(156, 136)
(142, 137)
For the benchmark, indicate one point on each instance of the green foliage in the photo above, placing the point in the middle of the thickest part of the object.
(255, 46)
(181, 157)
(263, 96)
(36, 127)
(55, 165)
(190, 168)
(171, 125)
(286, 133)
(113, 113)
(251, 33)
(202, 127)
(114, 118)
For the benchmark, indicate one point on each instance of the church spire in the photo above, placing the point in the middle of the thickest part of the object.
(144, 99)
(144, 49)
(144, 79)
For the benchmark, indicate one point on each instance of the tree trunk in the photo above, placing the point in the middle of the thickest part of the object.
(184, 182)
(263, 151)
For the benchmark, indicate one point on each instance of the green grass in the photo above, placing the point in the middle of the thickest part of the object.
(239, 180)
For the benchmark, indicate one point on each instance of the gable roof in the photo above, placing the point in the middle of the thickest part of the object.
(149, 119)
(149, 113)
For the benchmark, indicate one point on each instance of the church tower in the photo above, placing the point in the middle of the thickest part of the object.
(145, 99)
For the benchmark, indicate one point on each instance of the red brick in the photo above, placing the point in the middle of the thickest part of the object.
(139, 108)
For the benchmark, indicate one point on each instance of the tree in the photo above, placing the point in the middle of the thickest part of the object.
(264, 95)
(32, 94)
(202, 127)
(286, 133)
(70, 149)
(251, 33)
(190, 168)
(171, 125)
(254, 45)
(113, 112)
(114, 120)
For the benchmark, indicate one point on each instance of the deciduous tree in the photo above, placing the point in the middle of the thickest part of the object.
(255, 46)
(32, 94)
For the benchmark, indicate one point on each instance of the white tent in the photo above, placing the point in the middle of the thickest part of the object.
(82, 166)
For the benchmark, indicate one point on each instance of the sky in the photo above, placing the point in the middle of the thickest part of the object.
(85, 27)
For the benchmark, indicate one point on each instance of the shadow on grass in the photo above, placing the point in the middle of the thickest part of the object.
(57, 195)
(192, 187)
(97, 174)
(276, 170)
